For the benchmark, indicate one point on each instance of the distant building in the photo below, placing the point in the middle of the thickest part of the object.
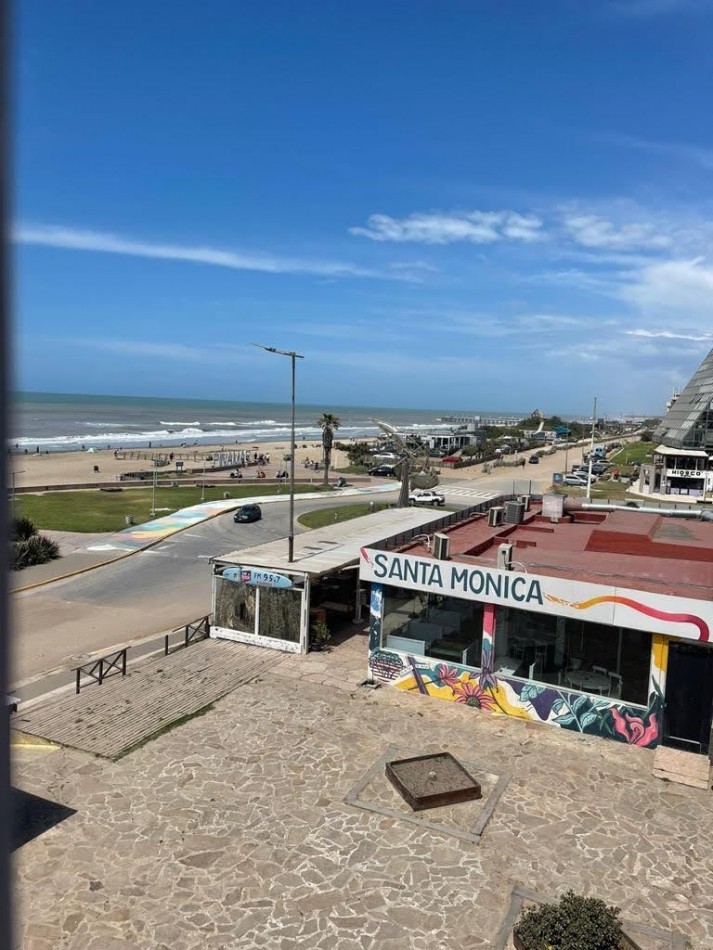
(682, 458)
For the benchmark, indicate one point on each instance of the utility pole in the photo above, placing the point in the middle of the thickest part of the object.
(293, 357)
(591, 453)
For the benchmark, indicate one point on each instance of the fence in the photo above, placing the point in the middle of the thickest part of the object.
(111, 665)
(446, 521)
(192, 633)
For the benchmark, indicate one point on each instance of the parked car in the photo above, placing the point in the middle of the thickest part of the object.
(579, 481)
(386, 470)
(248, 513)
(534, 460)
(426, 497)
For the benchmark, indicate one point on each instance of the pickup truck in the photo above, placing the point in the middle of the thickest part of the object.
(426, 497)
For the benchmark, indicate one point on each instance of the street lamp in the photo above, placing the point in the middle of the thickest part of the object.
(293, 357)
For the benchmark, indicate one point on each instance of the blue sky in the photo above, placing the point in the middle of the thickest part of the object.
(494, 204)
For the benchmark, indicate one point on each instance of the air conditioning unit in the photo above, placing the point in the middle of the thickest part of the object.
(495, 516)
(514, 511)
(441, 546)
(525, 499)
(505, 557)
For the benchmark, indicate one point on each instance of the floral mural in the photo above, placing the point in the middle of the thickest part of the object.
(484, 689)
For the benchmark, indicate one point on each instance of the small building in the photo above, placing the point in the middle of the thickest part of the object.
(261, 597)
(682, 462)
(594, 621)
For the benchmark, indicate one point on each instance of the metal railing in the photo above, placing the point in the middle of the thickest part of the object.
(114, 664)
(454, 517)
(193, 632)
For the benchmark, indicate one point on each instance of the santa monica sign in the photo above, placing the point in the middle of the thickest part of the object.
(446, 577)
(595, 603)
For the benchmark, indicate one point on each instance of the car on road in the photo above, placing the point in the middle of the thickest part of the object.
(248, 513)
(387, 471)
(534, 460)
(426, 497)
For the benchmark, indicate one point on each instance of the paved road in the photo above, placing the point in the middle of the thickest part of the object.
(154, 590)
(148, 592)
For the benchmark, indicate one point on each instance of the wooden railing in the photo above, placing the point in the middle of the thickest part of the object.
(193, 632)
(98, 670)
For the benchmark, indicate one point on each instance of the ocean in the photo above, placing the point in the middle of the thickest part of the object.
(58, 422)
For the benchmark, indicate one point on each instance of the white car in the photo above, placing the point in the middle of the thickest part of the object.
(579, 480)
(426, 497)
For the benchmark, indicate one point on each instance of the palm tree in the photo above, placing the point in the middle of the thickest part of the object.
(327, 422)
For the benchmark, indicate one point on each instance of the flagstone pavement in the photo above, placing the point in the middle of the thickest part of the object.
(231, 830)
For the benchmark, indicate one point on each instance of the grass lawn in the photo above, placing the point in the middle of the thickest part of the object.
(325, 516)
(95, 510)
(634, 452)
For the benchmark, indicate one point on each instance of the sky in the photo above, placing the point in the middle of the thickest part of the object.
(483, 204)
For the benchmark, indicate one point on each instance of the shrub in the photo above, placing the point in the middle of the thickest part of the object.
(573, 923)
(320, 634)
(22, 529)
(37, 549)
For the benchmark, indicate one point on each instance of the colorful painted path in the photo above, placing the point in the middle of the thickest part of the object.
(151, 532)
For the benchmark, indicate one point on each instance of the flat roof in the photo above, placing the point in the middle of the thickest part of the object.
(639, 550)
(693, 453)
(335, 546)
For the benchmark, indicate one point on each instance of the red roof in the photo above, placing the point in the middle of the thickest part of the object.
(639, 550)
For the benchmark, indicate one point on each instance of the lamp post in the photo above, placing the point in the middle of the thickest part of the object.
(153, 488)
(293, 357)
(591, 453)
(203, 483)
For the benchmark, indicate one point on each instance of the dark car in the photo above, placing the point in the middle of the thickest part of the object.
(388, 470)
(534, 460)
(248, 513)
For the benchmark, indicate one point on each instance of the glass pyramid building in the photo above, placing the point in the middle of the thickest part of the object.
(688, 424)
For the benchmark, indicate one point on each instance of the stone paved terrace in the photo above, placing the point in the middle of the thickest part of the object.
(232, 831)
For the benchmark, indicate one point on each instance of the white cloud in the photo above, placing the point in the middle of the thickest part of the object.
(674, 285)
(594, 231)
(475, 227)
(83, 240)
(669, 335)
(676, 150)
(217, 352)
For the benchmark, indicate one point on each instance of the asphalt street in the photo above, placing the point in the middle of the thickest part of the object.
(61, 624)
(149, 592)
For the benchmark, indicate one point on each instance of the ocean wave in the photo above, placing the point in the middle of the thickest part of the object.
(244, 433)
(194, 423)
(103, 425)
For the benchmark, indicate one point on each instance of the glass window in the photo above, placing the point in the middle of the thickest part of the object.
(280, 612)
(591, 657)
(432, 625)
(234, 606)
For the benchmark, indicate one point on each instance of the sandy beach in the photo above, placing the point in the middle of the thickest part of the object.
(77, 468)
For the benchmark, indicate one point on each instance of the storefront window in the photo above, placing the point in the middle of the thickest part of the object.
(279, 616)
(432, 625)
(235, 606)
(594, 658)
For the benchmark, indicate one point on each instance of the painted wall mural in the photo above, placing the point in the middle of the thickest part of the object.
(484, 689)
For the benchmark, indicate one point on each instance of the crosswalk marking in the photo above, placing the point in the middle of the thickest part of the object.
(468, 492)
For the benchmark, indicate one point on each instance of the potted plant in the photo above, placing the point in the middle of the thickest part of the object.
(319, 635)
(573, 923)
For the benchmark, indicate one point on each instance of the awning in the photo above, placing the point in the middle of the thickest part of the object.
(690, 453)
